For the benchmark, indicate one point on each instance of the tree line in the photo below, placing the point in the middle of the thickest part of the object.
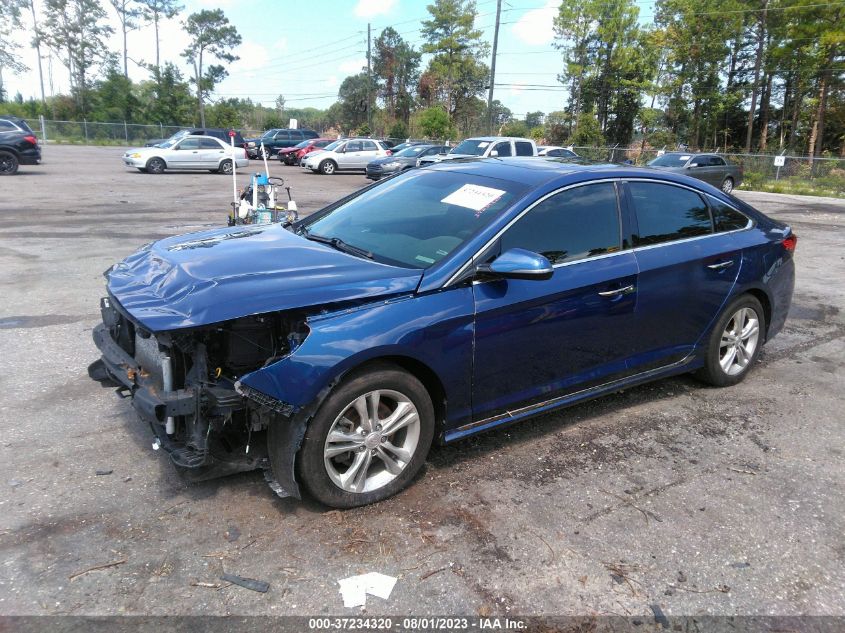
(750, 75)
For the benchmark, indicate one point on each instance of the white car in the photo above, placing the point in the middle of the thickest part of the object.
(345, 154)
(555, 151)
(486, 147)
(189, 152)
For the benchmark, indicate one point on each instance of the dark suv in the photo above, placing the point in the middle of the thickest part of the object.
(216, 132)
(277, 139)
(18, 145)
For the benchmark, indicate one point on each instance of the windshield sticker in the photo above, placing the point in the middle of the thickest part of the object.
(474, 197)
(426, 260)
(685, 157)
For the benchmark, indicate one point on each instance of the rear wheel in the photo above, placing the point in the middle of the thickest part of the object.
(735, 343)
(728, 184)
(225, 167)
(156, 166)
(327, 167)
(8, 163)
(368, 439)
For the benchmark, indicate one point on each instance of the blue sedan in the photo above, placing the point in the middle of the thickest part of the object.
(332, 352)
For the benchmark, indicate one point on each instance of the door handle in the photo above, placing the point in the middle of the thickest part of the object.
(721, 265)
(618, 291)
(196, 151)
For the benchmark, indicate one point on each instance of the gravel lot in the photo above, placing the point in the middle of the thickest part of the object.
(702, 501)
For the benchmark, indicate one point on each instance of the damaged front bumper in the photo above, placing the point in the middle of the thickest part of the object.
(201, 426)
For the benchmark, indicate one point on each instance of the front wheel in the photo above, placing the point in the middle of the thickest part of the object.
(156, 166)
(728, 185)
(735, 343)
(225, 167)
(327, 167)
(368, 439)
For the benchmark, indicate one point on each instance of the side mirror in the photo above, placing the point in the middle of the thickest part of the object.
(518, 263)
(494, 153)
(692, 165)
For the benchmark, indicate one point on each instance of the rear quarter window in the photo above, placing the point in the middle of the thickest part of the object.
(726, 218)
(667, 213)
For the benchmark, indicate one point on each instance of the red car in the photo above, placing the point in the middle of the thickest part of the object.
(292, 155)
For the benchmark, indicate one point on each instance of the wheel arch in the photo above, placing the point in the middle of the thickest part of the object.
(763, 297)
(419, 370)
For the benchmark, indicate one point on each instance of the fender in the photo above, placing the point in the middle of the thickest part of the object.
(341, 341)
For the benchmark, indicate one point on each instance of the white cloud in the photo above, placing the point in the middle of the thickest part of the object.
(252, 57)
(537, 26)
(353, 66)
(370, 8)
(332, 82)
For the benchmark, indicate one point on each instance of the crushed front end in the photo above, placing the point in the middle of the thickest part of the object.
(182, 383)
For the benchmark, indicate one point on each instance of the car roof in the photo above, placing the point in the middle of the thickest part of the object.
(537, 171)
(497, 138)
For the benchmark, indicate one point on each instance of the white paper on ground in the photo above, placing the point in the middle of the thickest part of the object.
(473, 197)
(354, 589)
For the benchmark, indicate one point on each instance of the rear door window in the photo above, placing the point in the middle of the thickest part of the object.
(524, 149)
(666, 213)
(369, 146)
(503, 149)
(6, 126)
(571, 225)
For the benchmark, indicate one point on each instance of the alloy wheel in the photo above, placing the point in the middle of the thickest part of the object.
(372, 441)
(739, 341)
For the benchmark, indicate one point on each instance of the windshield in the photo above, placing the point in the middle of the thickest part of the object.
(671, 160)
(303, 144)
(269, 134)
(471, 146)
(333, 146)
(417, 220)
(414, 150)
(169, 143)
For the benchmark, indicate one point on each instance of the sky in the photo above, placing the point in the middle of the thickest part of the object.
(304, 49)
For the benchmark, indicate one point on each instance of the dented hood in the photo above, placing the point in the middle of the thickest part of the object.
(213, 276)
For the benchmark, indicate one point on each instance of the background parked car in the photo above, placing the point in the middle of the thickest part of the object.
(276, 139)
(292, 155)
(345, 155)
(400, 161)
(18, 145)
(189, 152)
(555, 151)
(216, 132)
(710, 168)
(486, 147)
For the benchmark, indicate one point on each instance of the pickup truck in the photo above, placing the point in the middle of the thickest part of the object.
(486, 147)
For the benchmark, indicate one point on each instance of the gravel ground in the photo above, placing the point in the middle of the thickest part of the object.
(699, 500)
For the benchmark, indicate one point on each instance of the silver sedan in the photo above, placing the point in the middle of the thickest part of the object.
(190, 152)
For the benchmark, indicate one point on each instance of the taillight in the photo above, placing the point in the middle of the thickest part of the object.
(31, 139)
(790, 242)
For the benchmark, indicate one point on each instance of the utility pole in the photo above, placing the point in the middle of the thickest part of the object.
(493, 69)
(369, 74)
(38, 49)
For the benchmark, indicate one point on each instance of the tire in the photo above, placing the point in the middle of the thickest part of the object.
(225, 167)
(156, 166)
(9, 163)
(327, 167)
(735, 343)
(379, 472)
(728, 184)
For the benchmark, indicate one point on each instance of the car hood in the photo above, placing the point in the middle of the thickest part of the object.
(213, 276)
(314, 152)
(383, 160)
(288, 150)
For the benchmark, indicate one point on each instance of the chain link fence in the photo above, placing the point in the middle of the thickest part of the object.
(775, 173)
(98, 133)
